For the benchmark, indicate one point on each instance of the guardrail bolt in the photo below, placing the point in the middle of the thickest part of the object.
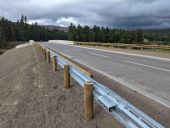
(48, 56)
(66, 76)
(88, 100)
(54, 61)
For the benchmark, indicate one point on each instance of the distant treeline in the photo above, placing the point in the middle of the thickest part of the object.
(21, 31)
(159, 36)
(101, 34)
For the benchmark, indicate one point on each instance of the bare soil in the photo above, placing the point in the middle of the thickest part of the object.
(32, 95)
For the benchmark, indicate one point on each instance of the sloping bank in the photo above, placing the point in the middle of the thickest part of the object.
(32, 95)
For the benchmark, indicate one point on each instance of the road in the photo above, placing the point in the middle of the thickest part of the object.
(147, 75)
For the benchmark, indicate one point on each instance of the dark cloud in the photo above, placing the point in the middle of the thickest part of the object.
(113, 13)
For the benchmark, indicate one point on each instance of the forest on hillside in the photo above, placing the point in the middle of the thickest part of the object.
(101, 34)
(22, 31)
(108, 35)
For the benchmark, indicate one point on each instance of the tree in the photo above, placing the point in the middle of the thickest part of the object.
(86, 33)
(96, 31)
(21, 31)
(91, 35)
(25, 19)
(139, 36)
(103, 35)
(72, 32)
(79, 31)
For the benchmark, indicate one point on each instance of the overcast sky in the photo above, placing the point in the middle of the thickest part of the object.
(112, 13)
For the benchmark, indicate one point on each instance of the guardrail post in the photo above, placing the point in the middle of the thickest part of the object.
(45, 54)
(54, 61)
(42, 49)
(35, 46)
(66, 76)
(38, 47)
(88, 100)
(48, 56)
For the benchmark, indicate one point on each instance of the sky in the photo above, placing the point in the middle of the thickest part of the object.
(111, 13)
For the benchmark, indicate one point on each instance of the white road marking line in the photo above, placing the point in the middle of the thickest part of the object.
(77, 50)
(122, 53)
(148, 66)
(97, 54)
(131, 86)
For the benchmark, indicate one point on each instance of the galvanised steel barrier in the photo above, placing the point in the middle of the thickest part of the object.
(119, 108)
(131, 46)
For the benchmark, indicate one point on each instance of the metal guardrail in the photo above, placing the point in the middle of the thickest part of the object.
(70, 62)
(131, 46)
(119, 108)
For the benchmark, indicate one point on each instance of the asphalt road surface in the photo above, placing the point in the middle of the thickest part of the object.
(147, 75)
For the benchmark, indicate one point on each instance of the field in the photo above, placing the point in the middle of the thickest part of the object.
(128, 46)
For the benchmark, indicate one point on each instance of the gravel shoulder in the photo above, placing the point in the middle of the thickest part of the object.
(32, 95)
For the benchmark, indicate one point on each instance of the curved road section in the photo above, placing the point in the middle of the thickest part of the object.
(145, 74)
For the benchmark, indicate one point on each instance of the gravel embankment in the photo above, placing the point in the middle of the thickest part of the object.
(32, 95)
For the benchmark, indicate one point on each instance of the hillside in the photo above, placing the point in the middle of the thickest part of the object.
(161, 31)
(53, 27)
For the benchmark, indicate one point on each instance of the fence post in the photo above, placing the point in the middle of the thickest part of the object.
(54, 61)
(66, 76)
(88, 100)
(48, 56)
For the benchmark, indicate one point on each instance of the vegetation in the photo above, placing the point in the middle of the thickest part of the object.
(158, 36)
(101, 34)
(21, 31)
